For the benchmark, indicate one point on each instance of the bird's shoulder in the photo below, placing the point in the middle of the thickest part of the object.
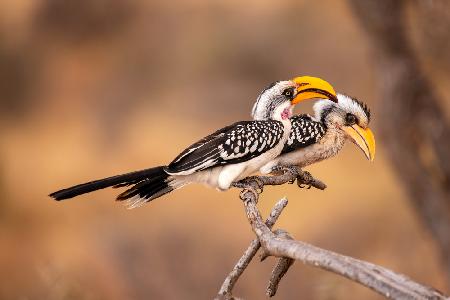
(305, 131)
(235, 143)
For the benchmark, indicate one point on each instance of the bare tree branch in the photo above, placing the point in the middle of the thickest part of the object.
(381, 280)
(280, 244)
(281, 268)
(286, 175)
(242, 264)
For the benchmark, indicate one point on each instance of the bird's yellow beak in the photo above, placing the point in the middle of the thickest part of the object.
(363, 138)
(309, 87)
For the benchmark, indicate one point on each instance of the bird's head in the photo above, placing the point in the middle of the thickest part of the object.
(352, 117)
(278, 99)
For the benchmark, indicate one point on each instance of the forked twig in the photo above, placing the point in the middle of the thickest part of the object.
(280, 244)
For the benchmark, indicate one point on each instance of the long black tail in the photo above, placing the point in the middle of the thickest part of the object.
(148, 185)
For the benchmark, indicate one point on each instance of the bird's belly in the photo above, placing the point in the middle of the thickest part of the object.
(255, 164)
(207, 177)
(301, 158)
(236, 172)
(326, 148)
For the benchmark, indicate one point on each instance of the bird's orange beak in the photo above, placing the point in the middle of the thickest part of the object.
(309, 87)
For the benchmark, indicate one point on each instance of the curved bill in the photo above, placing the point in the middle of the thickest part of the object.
(309, 87)
(363, 138)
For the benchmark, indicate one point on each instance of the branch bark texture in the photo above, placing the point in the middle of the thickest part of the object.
(242, 264)
(383, 281)
(280, 244)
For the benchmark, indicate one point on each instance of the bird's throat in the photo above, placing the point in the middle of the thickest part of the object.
(286, 113)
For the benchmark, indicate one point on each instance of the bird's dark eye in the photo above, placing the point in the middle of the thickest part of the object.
(350, 119)
(288, 92)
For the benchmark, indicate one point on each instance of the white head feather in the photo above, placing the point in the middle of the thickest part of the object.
(346, 104)
(263, 106)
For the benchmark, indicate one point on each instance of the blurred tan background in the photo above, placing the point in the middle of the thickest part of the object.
(90, 89)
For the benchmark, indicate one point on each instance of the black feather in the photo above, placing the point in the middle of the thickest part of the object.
(364, 107)
(233, 144)
(147, 189)
(114, 181)
(305, 131)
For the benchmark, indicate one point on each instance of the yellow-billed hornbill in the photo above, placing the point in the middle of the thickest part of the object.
(313, 139)
(224, 157)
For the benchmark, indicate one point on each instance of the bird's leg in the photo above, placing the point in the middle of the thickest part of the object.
(278, 169)
(252, 182)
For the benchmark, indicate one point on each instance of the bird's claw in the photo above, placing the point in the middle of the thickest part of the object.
(252, 182)
(302, 186)
(304, 180)
(256, 183)
(278, 169)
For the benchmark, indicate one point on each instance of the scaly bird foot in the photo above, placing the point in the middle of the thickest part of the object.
(304, 179)
(252, 182)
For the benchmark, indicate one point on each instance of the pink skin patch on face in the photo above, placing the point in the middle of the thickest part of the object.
(286, 114)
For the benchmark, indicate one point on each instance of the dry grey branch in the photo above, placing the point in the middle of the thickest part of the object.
(241, 265)
(379, 279)
(281, 268)
(279, 244)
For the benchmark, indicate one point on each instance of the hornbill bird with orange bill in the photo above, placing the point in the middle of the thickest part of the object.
(313, 139)
(224, 157)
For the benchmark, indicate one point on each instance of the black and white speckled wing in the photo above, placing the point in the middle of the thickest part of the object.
(305, 131)
(233, 144)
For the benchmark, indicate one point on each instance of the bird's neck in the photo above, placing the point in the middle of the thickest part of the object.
(262, 114)
(282, 113)
(271, 109)
(334, 138)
